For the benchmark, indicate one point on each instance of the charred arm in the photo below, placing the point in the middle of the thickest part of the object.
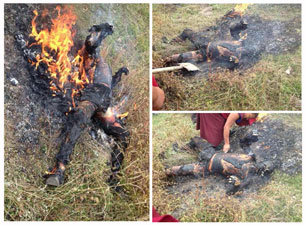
(226, 130)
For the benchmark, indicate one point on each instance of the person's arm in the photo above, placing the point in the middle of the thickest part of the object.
(158, 98)
(226, 130)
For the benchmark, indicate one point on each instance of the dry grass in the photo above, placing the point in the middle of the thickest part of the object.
(86, 195)
(278, 201)
(265, 86)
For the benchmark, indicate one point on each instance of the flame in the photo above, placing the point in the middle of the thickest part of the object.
(241, 8)
(114, 112)
(261, 117)
(111, 115)
(56, 44)
(123, 115)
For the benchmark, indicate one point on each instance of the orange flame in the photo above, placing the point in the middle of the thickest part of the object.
(241, 8)
(114, 113)
(56, 44)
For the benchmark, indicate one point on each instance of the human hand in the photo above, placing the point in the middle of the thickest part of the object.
(226, 148)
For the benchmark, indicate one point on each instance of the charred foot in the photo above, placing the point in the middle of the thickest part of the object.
(55, 177)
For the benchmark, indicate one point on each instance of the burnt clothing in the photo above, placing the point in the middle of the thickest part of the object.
(103, 73)
(240, 165)
(77, 122)
(95, 99)
(211, 125)
(240, 169)
(99, 94)
(224, 52)
(231, 164)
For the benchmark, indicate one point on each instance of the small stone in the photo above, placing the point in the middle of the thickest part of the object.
(288, 71)
(14, 81)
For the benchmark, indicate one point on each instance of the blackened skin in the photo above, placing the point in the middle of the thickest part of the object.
(95, 99)
(225, 48)
(77, 122)
(243, 168)
(98, 33)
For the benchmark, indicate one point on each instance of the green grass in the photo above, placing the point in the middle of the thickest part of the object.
(280, 200)
(265, 86)
(86, 196)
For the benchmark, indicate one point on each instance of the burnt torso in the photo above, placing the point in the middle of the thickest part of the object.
(230, 164)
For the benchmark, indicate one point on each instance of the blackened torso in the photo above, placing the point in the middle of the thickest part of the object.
(229, 163)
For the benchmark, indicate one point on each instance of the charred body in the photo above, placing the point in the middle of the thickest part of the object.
(237, 41)
(240, 169)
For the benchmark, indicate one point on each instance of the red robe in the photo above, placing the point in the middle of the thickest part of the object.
(211, 125)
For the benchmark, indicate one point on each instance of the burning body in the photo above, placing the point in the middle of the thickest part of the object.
(240, 169)
(88, 89)
(94, 102)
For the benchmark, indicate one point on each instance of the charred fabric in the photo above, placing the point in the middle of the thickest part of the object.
(88, 107)
(253, 160)
(237, 41)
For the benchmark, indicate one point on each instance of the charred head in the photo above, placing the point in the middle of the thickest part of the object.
(98, 33)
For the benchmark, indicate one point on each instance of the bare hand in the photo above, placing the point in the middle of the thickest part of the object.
(226, 148)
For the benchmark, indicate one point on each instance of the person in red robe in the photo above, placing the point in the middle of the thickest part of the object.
(215, 127)
(158, 95)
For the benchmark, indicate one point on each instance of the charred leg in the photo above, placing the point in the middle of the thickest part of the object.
(234, 185)
(198, 39)
(185, 57)
(188, 169)
(186, 34)
(77, 122)
(121, 135)
(248, 172)
(113, 127)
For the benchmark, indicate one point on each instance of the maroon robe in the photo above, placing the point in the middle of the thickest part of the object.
(211, 125)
